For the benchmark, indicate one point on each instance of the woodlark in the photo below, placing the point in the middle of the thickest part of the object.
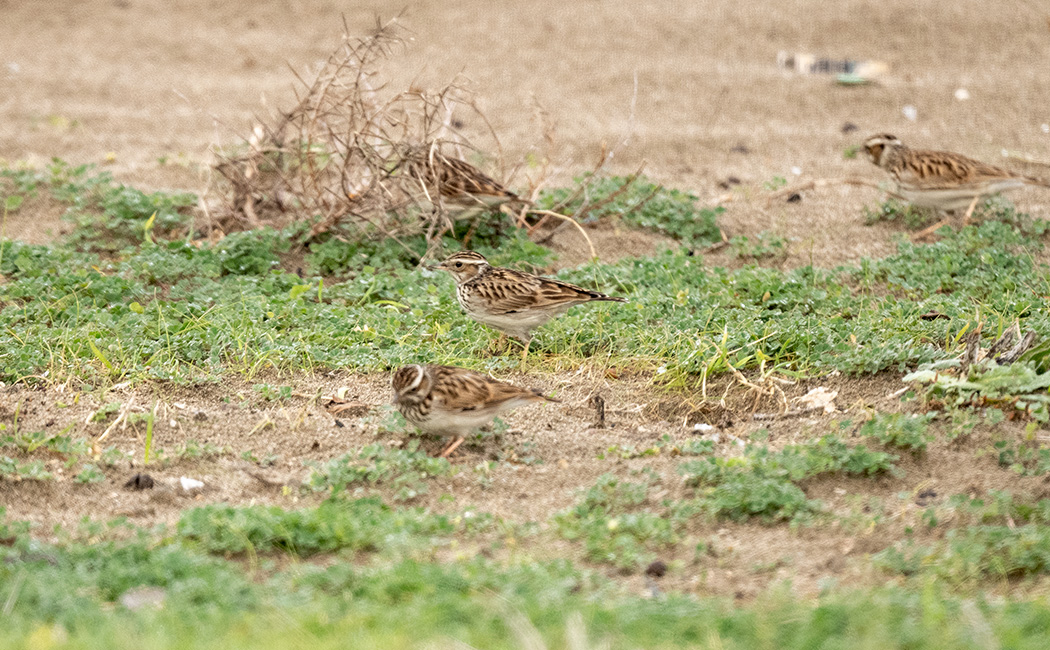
(454, 401)
(455, 184)
(510, 301)
(941, 180)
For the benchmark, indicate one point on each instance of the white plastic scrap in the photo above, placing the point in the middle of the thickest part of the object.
(190, 484)
(819, 398)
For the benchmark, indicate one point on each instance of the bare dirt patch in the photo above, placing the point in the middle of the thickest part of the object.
(146, 88)
(549, 456)
(38, 221)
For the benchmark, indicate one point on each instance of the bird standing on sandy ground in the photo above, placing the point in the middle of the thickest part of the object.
(452, 401)
(941, 180)
(513, 302)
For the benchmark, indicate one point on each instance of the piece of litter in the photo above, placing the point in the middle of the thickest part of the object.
(703, 427)
(852, 70)
(797, 171)
(962, 94)
(910, 112)
(819, 398)
(190, 484)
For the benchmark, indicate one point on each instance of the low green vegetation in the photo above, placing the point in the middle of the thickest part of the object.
(895, 211)
(165, 592)
(134, 294)
(1018, 387)
(665, 445)
(763, 483)
(405, 471)
(337, 524)
(1027, 457)
(172, 309)
(618, 525)
(640, 203)
(28, 451)
(901, 430)
(761, 246)
(998, 538)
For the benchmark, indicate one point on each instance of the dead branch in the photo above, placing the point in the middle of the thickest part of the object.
(570, 220)
(824, 182)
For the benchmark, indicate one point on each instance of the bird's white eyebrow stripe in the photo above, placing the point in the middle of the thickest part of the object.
(418, 380)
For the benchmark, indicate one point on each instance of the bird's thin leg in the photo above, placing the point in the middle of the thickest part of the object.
(969, 210)
(453, 446)
(926, 232)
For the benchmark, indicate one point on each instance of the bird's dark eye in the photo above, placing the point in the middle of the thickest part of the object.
(459, 265)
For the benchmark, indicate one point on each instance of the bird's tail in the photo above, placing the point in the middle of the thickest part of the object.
(538, 395)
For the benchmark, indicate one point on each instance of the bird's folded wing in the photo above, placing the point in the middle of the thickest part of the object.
(464, 177)
(512, 291)
(483, 393)
(942, 170)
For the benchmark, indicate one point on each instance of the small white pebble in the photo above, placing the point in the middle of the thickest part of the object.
(703, 427)
(910, 112)
(1045, 128)
(962, 94)
(661, 370)
(14, 68)
(797, 171)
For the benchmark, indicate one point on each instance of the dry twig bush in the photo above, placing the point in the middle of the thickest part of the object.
(360, 160)
(355, 157)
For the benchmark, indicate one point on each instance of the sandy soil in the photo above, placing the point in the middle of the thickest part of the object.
(690, 90)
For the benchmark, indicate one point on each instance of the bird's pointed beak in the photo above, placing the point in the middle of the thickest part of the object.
(436, 267)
